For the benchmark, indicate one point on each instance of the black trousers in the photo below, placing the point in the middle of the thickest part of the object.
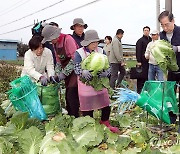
(104, 116)
(140, 84)
(72, 101)
(115, 69)
(174, 76)
(144, 78)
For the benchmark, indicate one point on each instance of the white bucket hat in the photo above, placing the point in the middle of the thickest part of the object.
(78, 21)
(90, 36)
(50, 32)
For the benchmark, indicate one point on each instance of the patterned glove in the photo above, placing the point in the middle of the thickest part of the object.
(86, 75)
(105, 73)
(43, 80)
(61, 76)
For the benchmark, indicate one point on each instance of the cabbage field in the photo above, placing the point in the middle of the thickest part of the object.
(64, 134)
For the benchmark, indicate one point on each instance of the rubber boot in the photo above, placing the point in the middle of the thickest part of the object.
(111, 128)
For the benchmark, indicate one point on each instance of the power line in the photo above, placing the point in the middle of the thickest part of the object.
(17, 29)
(15, 7)
(10, 7)
(32, 13)
(77, 8)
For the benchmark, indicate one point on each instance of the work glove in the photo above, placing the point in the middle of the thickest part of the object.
(53, 79)
(104, 74)
(175, 48)
(61, 76)
(86, 75)
(43, 80)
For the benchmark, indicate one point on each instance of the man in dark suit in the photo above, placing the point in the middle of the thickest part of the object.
(141, 60)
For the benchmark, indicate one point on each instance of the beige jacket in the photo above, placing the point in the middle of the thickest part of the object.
(148, 54)
(107, 48)
(116, 56)
(35, 66)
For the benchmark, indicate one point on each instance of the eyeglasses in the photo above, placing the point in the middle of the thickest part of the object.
(166, 25)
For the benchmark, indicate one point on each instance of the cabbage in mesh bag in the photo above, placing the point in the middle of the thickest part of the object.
(49, 98)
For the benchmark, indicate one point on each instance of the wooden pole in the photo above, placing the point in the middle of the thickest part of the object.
(157, 14)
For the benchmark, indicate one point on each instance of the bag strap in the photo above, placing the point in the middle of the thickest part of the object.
(64, 41)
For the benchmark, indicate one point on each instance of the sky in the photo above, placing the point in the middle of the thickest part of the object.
(105, 16)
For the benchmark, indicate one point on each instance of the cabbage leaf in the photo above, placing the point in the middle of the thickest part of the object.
(96, 63)
(30, 140)
(164, 56)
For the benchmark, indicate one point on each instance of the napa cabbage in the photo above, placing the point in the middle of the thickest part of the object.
(96, 63)
(164, 56)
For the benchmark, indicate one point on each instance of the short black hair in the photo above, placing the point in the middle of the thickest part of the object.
(109, 38)
(119, 31)
(35, 42)
(146, 27)
(166, 14)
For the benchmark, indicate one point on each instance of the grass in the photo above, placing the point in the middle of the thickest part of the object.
(15, 62)
(131, 63)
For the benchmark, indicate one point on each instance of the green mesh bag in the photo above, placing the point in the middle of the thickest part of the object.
(24, 97)
(49, 97)
(158, 98)
(15, 96)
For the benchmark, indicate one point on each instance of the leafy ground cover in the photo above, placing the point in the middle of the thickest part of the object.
(68, 135)
(63, 134)
(7, 74)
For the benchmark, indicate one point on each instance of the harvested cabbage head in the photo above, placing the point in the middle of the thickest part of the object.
(164, 56)
(95, 62)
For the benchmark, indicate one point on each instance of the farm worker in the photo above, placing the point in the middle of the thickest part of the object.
(171, 33)
(37, 61)
(65, 47)
(108, 46)
(154, 70)
(78, 33)
(50, 46)
(37, 30)
(116, 60)
(142, 62)
(90, 99)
